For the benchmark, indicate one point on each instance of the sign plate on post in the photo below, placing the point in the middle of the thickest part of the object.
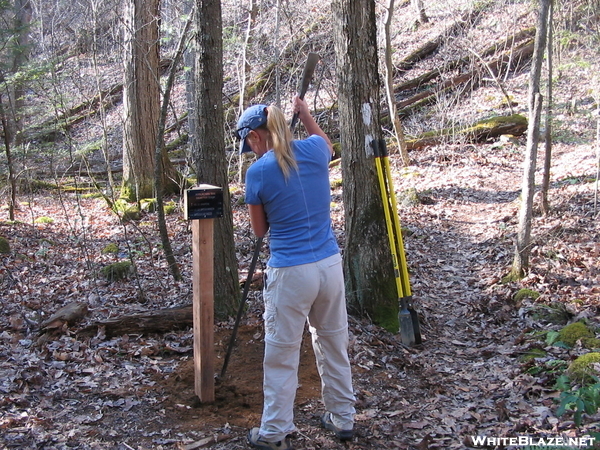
(203, 202)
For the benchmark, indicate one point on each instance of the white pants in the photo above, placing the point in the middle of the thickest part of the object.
(293, 294)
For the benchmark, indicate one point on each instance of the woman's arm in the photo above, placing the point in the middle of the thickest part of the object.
(258, 220)
(309, 122)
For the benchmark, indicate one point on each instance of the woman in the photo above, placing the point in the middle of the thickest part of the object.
(288, 193)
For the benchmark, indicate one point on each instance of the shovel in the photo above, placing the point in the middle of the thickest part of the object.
(410, 330)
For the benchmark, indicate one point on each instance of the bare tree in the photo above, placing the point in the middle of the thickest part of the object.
(522, 250)
(243, 76)
(370, 286)
(545, 205)
(389, 85)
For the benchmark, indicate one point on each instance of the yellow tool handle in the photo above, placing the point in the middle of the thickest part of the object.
(388, 220)
(398, 233)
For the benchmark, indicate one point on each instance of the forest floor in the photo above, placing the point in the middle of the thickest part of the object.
(486, 367)
(468, 378)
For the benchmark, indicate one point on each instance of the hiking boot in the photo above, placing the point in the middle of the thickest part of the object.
(257, 441)
(342, 434)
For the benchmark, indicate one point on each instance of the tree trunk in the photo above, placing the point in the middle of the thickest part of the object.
(370, 283)
(461, 62)
(505, 62)
(209, 148)
(20, 51)
(12, 183)
(522, 248)
(141, 101)
(548, 123)
(161, 321)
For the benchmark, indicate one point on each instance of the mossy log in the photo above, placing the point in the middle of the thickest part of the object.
(483, 130)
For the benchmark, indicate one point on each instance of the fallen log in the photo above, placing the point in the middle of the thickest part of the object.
(161, 321)
(431, 46)
(461, 62)
(515, 125)
(506, 62)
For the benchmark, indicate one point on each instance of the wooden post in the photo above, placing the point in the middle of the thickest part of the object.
(203, 308)
(203, 204)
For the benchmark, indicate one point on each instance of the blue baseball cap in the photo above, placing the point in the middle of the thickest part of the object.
(254, 117)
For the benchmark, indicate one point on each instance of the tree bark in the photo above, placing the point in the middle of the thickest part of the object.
(22, 21)
(209, 148)
(12, 182)
(141, 101)
(370, 283)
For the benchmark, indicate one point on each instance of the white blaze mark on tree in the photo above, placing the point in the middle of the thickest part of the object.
(367, 116)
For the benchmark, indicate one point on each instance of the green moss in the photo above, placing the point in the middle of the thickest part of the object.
(409, 197)
(170, 207)
(93, 195)
(336, 183)
(582, 369)
(512, 276)
(387, 317)
(4, 245)
(117, 271)
(532, 354)
(44, 219)
(110, 248)
(148, 204)
(522, 294)
(126, 210)
(337, 150)
(175, 144)
(555, 313)
(578, 331)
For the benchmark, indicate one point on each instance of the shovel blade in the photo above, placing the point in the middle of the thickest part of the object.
(416, 326)
(407, 332)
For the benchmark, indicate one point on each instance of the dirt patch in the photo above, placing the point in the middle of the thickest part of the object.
(239, 396)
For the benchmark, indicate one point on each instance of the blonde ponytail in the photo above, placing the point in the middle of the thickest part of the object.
(281, 138)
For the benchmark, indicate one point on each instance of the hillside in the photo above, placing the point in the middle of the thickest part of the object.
(490, 359)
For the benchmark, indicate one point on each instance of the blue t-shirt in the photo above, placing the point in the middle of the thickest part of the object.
(297, 209)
